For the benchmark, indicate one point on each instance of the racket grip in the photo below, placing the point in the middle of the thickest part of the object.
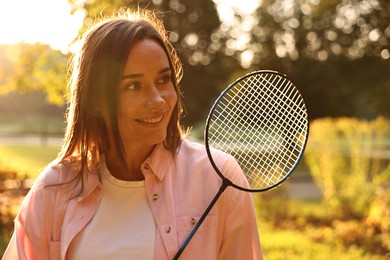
(224, 185)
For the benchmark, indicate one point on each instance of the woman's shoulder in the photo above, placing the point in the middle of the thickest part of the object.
(194, 145)
(195, 154)
(194, 149)
(57, 172)
(190, 149)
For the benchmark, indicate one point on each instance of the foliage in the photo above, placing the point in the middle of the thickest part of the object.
(19, 167)
(34, 67)
(300, 229)
(10, 202)
(378, 220)
(344, 156)
(290, 243)
(343, 87)
(321, 30)
(337, 52)
(320, 44)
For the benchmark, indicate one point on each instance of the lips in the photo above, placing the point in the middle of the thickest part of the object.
(151, 120)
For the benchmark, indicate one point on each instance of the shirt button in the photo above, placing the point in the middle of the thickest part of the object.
(193, 221)
(168, 230)
(155, 196)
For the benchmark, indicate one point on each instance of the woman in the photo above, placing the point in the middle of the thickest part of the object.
(126, 184)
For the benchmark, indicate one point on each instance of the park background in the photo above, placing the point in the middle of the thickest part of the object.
(337, 202)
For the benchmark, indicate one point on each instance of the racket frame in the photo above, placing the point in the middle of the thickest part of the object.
(209, 118)
(225, 181)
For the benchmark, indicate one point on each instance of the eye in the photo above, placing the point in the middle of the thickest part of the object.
(165, 79)
(132, 85)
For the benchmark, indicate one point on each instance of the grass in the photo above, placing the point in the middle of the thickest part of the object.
(298, 244)
(26, 160)
(303, 230)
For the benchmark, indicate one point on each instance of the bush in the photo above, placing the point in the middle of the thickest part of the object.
(378, 220)
(10, 201)
(344, 157)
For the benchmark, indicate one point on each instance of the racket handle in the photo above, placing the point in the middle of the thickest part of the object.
(224, 185)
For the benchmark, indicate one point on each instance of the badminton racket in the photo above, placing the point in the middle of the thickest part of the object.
(261, 120)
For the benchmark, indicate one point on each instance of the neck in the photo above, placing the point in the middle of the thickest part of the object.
(133, 159)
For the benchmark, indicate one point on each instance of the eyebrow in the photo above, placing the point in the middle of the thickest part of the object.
(140, 75)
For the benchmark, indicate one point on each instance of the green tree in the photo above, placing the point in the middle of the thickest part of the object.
(322, 30)
(36, 67)
(337, 51)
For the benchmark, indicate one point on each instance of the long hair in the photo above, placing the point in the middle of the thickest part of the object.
(95, 76)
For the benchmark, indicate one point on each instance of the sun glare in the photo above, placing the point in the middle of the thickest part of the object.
(226, 8)
(45, 21)
(50, 21)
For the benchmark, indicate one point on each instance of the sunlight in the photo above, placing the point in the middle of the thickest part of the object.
(226, 8)
(50, 21)
(45, 21)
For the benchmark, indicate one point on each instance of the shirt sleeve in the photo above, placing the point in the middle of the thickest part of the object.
(11, 252)
(241, 237)
(29, 239)
(20, 246)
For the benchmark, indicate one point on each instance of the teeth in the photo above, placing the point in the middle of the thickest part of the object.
(151, 120)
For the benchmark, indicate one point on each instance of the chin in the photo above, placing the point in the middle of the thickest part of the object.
(158, 139)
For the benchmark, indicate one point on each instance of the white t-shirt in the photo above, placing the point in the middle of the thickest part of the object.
(123, 226)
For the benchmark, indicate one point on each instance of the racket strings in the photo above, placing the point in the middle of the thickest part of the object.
(249, 160)
(286, 86)
(270, 117)
(288, 113)
(270, 179)
(260, 121)
(286, 109)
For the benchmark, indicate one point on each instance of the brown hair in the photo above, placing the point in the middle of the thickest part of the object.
(95, 75)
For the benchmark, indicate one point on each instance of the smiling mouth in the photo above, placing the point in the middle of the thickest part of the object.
(151, 120)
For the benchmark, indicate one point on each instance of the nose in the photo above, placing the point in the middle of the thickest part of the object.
(154, 98)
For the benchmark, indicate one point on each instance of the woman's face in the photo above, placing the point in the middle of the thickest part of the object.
(147, 96)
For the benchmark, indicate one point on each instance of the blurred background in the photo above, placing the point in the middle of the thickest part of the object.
(337, 202)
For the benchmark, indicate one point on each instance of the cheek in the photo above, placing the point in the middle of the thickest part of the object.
(171, 98)
(127, 106)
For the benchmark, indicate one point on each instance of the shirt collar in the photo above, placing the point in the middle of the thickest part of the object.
(91, 183)
(160, 161)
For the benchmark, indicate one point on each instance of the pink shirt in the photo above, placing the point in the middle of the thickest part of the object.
(178, 188)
